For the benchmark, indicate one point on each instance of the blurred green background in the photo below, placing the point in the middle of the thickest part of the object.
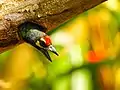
(89, 49)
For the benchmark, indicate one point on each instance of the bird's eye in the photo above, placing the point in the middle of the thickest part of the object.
(42, 43)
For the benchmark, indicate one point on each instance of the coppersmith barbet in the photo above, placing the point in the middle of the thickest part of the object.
(35, 35)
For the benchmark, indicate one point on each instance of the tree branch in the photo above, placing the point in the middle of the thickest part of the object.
(49, 13)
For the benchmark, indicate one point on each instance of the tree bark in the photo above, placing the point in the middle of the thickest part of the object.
(49, 13)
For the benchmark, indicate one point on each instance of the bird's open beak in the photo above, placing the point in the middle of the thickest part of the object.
(45, 51)
(50, 48)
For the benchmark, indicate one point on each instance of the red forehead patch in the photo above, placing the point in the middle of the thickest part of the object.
(48, 40)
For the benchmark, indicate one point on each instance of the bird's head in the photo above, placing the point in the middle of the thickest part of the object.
(45, 43)
(35, 35)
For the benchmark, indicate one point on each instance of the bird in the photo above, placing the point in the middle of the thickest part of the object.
(35, 35)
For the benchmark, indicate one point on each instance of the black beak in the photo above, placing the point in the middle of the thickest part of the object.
(45, 51)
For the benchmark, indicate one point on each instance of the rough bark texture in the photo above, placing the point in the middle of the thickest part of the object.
(49, 13)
